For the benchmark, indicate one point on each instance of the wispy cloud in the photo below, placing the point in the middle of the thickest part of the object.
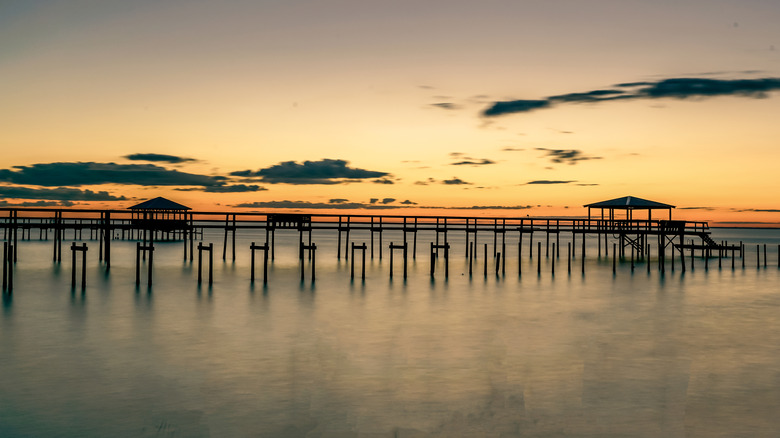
(547, 181)
(473, 162)
(326, 171)
(454, 181)
(446, 105)
(568, 156)
(425, 183)
(35, 204)
(483, 207)
(315, 205)
(235, 188)
(58, 194)
(673, 88)
(173, 159)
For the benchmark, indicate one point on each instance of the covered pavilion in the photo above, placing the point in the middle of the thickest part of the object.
(160, 214)
(629, 204)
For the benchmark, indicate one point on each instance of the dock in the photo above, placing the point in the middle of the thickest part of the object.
(159, 219)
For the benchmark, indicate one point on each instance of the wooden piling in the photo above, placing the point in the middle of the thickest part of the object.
(10, 264)
(471, 258)
(742, 253)
(520, 255)
(614, 258)
(485, 261)
(552, 269)
(264, 248)
(83, 249)
(5, 266)
(539, 258)
(765, 255)
(404, 248)
(647, 258)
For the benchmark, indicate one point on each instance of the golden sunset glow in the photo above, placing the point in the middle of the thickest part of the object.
(400, 101)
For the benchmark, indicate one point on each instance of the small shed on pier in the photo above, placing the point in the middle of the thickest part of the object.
(160, 214)
(629, 204)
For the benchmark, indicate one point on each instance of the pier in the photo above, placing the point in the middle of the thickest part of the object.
(678, 239)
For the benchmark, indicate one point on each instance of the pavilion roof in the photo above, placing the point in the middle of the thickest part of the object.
(159, 203)
(629, 203)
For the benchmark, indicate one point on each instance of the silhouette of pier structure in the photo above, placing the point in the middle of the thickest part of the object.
(162, 220)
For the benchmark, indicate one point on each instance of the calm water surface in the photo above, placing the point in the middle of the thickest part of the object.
(635, 354)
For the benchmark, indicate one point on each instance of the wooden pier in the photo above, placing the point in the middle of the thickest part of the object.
(636, 236)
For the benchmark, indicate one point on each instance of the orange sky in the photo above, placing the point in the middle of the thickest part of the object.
(393, 104)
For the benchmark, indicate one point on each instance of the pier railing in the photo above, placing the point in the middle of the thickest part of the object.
(85, 219)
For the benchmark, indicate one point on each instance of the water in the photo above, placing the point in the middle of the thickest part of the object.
(635, 354)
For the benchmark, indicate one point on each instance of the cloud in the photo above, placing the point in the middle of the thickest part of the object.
(697, 208)
(484, 207)
(760, 210)
(4, 203)
(568, 156)
(454, 181)
(474, 162)
(512, 149)
(338, 201)
(673, 88)
(325, 171)
(383, 181)
(408, 202)
(446, 105)
(59, 194)
(515, 106)
(315, 205)
(235, 188)
(547, 181)
(89, 173)
(158, 158)
(388, 200)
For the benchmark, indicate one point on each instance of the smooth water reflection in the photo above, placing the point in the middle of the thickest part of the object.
(694, 354)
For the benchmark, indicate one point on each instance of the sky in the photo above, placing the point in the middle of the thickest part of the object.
(496, 107)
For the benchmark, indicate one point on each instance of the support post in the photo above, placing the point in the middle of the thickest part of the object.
(552, 268)
(539, 258)
(614, 258)
(363, 247)
(485, 261)
(83, 249)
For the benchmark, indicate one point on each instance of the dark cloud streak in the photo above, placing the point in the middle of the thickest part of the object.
(173, 159)
(674, 88)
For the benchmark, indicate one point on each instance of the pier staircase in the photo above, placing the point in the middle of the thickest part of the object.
(707, 240)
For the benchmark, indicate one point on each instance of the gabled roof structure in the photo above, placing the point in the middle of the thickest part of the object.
(159, 203)
(629, 203)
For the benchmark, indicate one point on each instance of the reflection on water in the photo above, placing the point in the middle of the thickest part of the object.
(598, 355)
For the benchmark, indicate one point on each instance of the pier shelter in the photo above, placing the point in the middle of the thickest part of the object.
(160, 214)
(633, 232)
(629, 204)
